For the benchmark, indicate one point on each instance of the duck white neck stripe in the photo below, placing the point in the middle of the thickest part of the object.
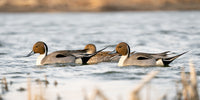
(124, 57)
(42, 56)
(39, 59)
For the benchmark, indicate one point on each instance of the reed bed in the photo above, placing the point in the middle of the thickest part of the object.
(4, 85)
(187, 88)
(1, 98)
(135, 93)
(189, 83)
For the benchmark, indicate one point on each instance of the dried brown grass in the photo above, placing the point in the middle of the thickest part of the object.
(97, 93)
(135, 93)
(5, 84)
(190, 88)
(38, 93)
(29, 89)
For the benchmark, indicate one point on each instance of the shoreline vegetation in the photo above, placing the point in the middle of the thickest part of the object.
(96, 5)
(186, 88)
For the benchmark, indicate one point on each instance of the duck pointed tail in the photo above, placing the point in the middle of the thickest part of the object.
(88, 56)
(167, 61)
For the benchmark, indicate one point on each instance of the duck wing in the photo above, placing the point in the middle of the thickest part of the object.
(160, 55)
(140, 59)
(141, 56)
(58, 57)
(65, 53)
(86, 57)
(155, 55)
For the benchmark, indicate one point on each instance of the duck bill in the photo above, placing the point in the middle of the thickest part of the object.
(113, 52)
(30, 54)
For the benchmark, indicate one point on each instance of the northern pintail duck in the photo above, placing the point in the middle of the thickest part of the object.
(141, 59)
(102, 56)
(63, 56)
(106, 56)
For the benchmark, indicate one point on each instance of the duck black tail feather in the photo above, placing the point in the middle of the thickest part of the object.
(167, 61)
(88, 56)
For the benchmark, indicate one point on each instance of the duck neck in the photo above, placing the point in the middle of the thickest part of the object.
(122, 59)
(39, 59)
(42, 56)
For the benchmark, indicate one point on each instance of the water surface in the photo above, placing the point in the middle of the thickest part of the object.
(143, 31)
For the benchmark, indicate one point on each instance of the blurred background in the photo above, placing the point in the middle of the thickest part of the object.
(96, 5)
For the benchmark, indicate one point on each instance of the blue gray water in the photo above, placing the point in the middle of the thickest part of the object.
(143, 31)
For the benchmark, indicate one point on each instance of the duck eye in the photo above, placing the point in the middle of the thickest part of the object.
(120, 46)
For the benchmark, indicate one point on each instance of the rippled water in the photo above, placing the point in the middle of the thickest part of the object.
(143, 31)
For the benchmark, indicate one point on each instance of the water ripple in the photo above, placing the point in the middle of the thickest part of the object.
(160, 31)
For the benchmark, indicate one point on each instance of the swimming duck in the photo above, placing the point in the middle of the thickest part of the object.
(63, 56)
(141, 59)
(102, 56)
(106, 56)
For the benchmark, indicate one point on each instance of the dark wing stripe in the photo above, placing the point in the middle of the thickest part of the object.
(60, 56)
(142, 58)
